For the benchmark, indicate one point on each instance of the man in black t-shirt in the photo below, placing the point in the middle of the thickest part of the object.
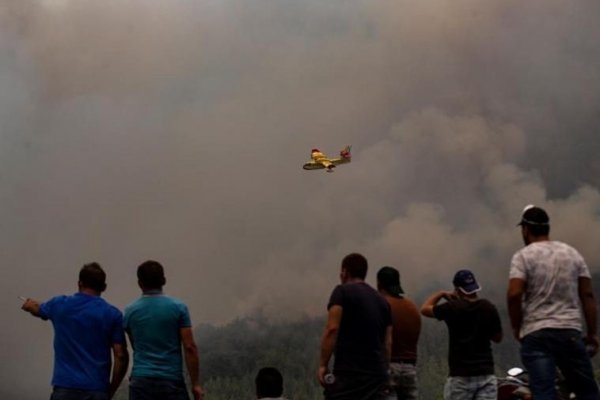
(472, 323)
(359, 332)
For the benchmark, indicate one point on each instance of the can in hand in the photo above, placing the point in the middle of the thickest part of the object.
(329, 379)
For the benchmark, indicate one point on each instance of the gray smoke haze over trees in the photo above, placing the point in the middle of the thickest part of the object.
(176, 130)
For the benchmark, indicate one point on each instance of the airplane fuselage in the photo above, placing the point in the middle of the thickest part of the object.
(321, 161)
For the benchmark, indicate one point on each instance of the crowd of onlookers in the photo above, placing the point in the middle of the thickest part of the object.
(374, 337)
(371, 334)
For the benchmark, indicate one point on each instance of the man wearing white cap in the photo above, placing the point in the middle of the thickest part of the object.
(549, 288)
(472, 323)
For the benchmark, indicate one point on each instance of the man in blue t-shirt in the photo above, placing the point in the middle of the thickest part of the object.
(86, 329)
(158, 326)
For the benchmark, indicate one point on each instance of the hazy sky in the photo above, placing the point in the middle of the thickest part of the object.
(176, 130)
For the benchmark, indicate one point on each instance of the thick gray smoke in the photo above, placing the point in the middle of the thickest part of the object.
(176, 130)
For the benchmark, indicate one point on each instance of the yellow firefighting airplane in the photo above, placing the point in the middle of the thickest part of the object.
(321, 161)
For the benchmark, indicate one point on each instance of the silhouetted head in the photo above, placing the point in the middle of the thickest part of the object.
(151, 275)
(535, 224)
(92, 276)
(354, 266)
(388, 280)
(464, 281)
(269, 383)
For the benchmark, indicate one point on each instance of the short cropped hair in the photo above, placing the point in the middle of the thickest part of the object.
(355, 265)
(269, 383)
(536, 220)
(538, 230)
(92, 276)
(151, 275)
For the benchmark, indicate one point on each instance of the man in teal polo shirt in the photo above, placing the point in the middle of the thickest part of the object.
(86, 329)
(158, 327)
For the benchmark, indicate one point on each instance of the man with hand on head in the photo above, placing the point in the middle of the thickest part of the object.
(86, 330)
(359, 331)
(549, 288)
(406, 327)
(158, 327)
(472, 323)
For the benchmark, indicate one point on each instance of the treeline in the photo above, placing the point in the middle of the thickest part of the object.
(231, 356)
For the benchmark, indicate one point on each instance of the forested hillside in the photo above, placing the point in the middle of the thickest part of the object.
(231, 355)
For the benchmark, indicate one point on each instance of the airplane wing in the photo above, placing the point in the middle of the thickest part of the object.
(338, 161)
(326, 162)
(313, 165)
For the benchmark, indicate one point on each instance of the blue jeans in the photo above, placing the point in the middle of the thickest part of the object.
(60, 393)
(482, 387)
(544, 350)
(142, 388)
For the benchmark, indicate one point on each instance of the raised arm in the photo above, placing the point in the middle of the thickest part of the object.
(588, 305)
(120, 364)
(328, 340)
(427, 307)
(192, 361)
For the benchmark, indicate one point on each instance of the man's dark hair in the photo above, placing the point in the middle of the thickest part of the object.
(356, 265)
(269, 383)
(151, 275)
(538, 230)
(92, 276)
(536, 220)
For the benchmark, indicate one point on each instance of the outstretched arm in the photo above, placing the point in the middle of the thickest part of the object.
(120, 364)
(32, 306)
(588, 304)
(328, 340)
(192, 361)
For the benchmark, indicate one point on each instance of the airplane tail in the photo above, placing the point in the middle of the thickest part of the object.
(346, 152)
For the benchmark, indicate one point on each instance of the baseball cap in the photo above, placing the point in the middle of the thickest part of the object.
(533, 215)
(465, 281)
(389, 279)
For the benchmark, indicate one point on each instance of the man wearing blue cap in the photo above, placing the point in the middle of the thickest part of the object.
(550, 287)
(472, 323)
